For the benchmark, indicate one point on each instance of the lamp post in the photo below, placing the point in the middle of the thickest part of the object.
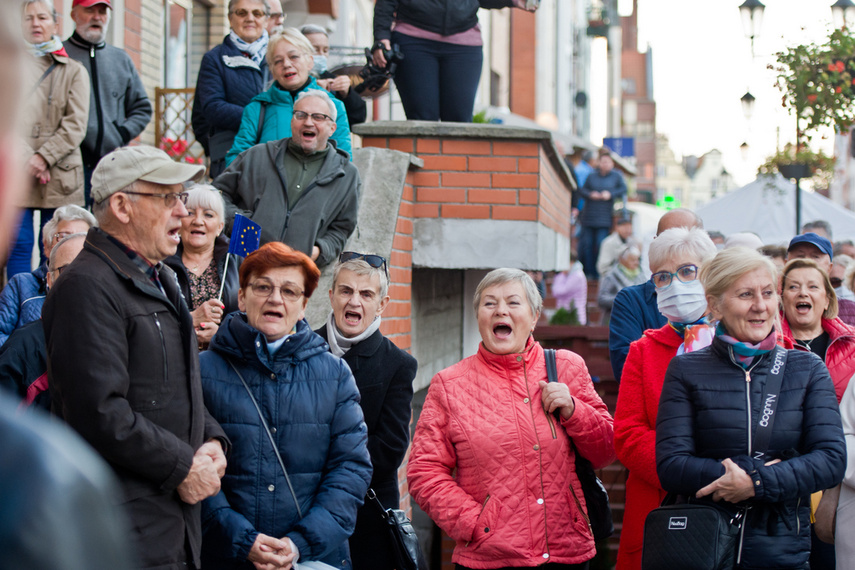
(752, 16)
(843, 13)
(747, 105)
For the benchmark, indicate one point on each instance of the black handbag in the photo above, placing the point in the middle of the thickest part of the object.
(705, 535)
(700, 536)
(402, 536)
(599, 513)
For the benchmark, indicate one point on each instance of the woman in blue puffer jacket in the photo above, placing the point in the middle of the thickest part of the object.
(712, 404)
(266, 362)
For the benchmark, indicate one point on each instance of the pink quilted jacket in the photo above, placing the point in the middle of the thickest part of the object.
(495, 472)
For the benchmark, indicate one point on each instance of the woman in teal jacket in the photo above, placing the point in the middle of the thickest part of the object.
(289, 59)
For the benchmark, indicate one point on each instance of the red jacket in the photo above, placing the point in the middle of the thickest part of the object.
(840, 356)
(495, 472)
(635, 434)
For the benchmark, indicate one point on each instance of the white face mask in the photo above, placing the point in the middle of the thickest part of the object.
(682, 303)
(320, 66)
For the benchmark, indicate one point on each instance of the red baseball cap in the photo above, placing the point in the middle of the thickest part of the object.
(87, 3)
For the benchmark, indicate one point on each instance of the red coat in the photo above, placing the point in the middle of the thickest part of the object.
(635, 434)
(840, 356)
(492, 469)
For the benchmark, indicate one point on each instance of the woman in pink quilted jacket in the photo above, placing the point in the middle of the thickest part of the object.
(490, 464)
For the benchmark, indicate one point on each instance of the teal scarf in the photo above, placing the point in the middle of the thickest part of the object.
(745, 352)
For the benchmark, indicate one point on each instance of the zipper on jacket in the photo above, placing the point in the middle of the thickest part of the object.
(798, 521)
(162, 346)
(483, 508)
(748, 406)
(581, 510)
(741, 534)
(93, 66)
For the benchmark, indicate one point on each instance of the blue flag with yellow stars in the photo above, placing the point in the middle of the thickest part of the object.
(246, 236)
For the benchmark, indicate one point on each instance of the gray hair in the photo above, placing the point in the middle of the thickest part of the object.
(101, 210)
(206, 197)
(505, 275)
(67, 213)
(842, 260)
(264, 3)
(628, 251)
(318, 94)
(313, 29)
(293, 37)
(819, 225)
(57, 247)
(361, 267)
(48, 4)
(678, 242)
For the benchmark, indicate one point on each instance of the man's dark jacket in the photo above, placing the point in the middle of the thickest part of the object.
(703, 419)
(634, 311)
(384, 375)
(599, 213)
(254, 185)
(123, 371)
(119, 109)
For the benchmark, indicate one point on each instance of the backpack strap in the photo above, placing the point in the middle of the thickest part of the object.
(763, 435)
(260, 121)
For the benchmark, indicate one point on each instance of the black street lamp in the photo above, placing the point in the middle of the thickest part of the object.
(752, 16)
(843, 12)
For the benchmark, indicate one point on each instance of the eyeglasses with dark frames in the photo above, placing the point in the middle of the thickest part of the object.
(169, 199)
(317, 117)
(685, 274)
(257, 14)
(264, 289)
(375, 261)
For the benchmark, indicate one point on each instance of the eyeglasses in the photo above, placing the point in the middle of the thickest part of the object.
(257, 14)
(276, 16)
(375, 261)
(836, 282)
(57, 237)
(169, 199)
(264, 289)
(685, 273)
(317, 117)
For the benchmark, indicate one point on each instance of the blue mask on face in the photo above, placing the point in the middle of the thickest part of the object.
(320, 66)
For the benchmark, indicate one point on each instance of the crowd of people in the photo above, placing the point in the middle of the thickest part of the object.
(222, 431)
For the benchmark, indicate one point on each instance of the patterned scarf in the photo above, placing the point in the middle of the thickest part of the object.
(256, 50)
(745, 352)
(695, 335)
(44, 48)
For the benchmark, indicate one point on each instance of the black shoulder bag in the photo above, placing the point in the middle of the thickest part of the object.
(405, 544)
(599, 513)
(706, 536)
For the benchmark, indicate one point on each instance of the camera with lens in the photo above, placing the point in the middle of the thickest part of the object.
(375, 78)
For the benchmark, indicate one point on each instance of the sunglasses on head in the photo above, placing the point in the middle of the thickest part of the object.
(371, 259)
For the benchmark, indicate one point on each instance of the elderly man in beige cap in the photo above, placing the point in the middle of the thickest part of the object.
(123, 365)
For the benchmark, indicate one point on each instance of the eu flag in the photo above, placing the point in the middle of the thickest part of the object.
(246, 235)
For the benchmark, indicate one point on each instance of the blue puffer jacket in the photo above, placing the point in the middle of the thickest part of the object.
(21, 301)
(277, 119)
(227, 81)
(703, 419)
(311, 404)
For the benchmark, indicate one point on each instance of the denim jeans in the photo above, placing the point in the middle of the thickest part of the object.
(21, 254)
(589, 249)
(437, 80)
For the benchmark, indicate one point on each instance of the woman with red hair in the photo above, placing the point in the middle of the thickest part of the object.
(299, 467)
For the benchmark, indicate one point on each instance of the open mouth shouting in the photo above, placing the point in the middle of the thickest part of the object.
(803, 307)
(502, 330)
(352, 318)
(174, 235)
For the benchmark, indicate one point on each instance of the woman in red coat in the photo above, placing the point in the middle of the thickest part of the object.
(675, 256)
(490, 464)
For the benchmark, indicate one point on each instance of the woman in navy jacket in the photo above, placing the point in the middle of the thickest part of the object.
(310, 404)
(712, 403)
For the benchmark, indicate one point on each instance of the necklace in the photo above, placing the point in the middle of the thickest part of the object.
(203, 263)
(806, 343)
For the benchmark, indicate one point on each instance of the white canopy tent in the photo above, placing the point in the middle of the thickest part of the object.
(767, 207)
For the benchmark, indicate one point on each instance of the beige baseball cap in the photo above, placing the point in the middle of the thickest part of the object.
(126, 165)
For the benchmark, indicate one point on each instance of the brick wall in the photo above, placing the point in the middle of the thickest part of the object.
(483, 179)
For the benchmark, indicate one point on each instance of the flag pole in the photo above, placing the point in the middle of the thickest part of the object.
(223, 280)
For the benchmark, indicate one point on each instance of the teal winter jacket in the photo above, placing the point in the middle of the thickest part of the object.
(277, 120)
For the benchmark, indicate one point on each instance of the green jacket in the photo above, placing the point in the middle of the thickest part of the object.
(255, 186)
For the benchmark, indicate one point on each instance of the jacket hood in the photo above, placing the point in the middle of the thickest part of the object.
(237, 339)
